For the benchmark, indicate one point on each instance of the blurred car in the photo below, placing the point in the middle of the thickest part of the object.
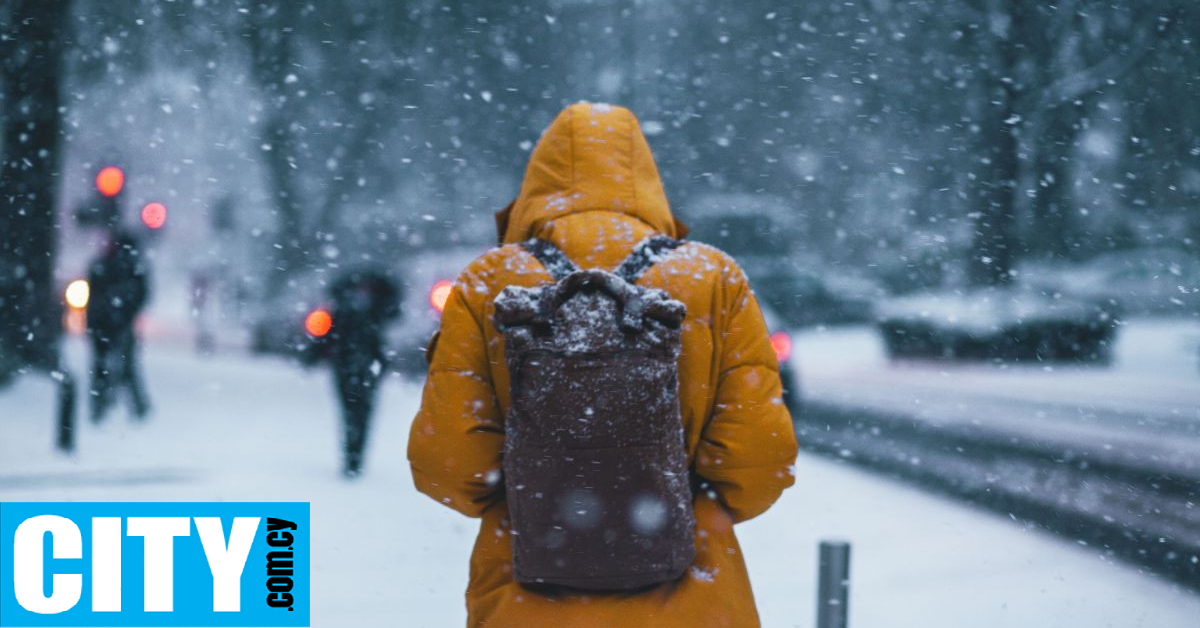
(427, 277)
(1156, 280)
(761, 233)
(997, 324)
(805, 298)
(782, 344)
(279, 327)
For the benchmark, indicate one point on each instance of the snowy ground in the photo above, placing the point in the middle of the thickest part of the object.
(232, 428)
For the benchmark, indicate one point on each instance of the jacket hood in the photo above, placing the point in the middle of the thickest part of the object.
(593, 157)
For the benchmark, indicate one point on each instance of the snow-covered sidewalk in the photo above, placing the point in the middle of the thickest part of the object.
(1155, 374)
(232, 428)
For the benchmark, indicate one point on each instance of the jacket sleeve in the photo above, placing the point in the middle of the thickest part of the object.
(748, 446)
(457, 436)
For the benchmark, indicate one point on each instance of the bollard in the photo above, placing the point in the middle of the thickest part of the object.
(66, 412)
(833, 584)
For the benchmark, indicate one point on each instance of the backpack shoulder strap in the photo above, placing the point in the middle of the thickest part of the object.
(644, 255)
(552, 258)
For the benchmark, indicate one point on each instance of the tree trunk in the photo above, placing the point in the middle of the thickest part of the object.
(269, 35)
(32, 65)
(1054, 204)
(994, 192)
(292, 245)
(992, 257)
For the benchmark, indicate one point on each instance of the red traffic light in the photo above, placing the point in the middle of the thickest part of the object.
(110, 180)
(154, 215)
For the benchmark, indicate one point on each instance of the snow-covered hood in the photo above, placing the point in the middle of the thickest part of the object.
(593, 157)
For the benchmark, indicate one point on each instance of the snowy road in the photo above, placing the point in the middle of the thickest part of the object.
(1109, 454)
(231, 428)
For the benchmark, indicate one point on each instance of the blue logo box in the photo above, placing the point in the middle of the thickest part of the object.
(154, 564)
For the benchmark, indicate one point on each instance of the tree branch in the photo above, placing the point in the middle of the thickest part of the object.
(1111, 68)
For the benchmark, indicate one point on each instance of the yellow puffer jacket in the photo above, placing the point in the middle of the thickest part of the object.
(592, 188)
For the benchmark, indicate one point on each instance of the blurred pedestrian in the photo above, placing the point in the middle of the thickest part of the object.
(203, 309)
(364, 302)
(119, 289)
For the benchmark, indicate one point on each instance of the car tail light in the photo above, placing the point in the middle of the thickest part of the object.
(110, 180)
(440, 293)
(781, 342)
(318, 322)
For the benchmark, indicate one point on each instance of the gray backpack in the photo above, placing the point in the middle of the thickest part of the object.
(595, 463)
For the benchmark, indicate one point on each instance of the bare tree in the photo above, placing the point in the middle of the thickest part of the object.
(1021, 81)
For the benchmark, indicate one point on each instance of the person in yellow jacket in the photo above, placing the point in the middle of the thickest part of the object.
(592, 189)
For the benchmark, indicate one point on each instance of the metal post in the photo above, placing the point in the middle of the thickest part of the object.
(833, 584)
(66, 411)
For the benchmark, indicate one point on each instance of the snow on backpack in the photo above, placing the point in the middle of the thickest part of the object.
(595, 464)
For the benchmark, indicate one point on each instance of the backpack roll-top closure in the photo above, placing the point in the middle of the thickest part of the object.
(516, 306)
